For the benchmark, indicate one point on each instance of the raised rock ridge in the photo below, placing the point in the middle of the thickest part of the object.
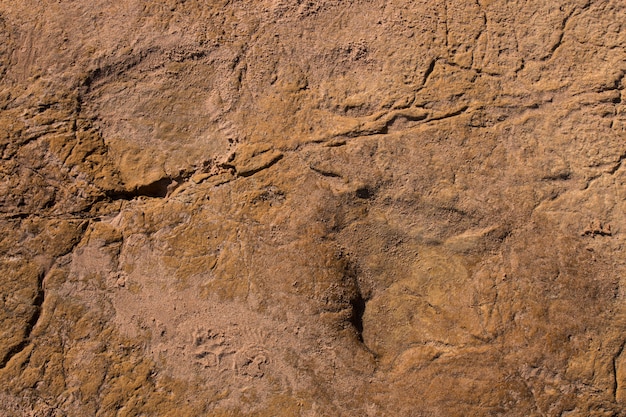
(350, 208)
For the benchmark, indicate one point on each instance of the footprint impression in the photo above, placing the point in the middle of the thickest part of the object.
(244, 355)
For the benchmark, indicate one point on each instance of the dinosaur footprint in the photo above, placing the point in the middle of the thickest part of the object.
(210, 347)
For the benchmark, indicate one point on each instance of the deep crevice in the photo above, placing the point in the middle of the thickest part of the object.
(156, 189)
(616, 385)
(12, 352)
(358, 302)
(38, 302)
(30, 324)
(358, 310)
(429, 70)
(364, 193)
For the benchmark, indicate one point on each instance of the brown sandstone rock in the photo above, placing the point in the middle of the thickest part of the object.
(364, 208)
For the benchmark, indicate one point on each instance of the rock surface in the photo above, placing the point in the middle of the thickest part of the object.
(357, 208)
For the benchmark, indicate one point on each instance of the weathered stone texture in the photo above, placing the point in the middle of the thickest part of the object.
(352, 208)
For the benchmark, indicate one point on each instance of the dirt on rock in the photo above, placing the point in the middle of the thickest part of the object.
(312, 208)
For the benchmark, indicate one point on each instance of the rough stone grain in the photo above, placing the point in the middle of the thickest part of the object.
(312, 208)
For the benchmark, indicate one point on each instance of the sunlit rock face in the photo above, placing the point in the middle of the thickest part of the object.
(364, 208)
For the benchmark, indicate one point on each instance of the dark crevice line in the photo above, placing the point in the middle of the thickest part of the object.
(115, 69)
(16, 216)
(445, 23)
(559, 41)
(325, 173)
(156, 189)
(556, 46)
(407, 117)
(429, 70)
(14, 350)
(38, 302)
(357, 303)
(30, 324)
(251, 171)
(58, 216)
(356, 319)
(618, 164)
(614, 363)
(448, 115)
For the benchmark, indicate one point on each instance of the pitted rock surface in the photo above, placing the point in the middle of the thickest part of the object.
(350, 208)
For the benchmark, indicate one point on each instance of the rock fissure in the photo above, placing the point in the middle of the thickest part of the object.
(212, 157)
(619, 374)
